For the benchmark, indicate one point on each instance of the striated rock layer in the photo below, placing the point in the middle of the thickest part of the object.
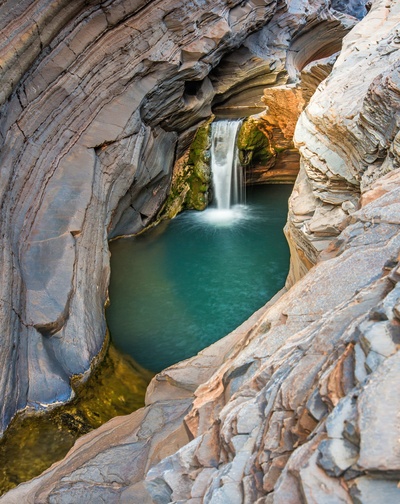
(98, 100)
(298, 405)
(345, 147)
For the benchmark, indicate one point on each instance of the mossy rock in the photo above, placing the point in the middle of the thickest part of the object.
(200, 149)
(33, 442)
(192, 177)
(200, 171)
(253, 144)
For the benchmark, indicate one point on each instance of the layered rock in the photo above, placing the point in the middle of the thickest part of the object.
(98, 101)
(266, 141)
(298, 405)
(346, 147)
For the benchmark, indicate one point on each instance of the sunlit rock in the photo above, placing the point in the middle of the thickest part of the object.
(98, 102)
(297, 405)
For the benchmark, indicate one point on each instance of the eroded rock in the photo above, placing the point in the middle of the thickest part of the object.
(98, 101)
(289, 408)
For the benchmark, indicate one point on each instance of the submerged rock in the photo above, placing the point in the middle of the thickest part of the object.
(33, 442)
(102, 101)
(294, 405)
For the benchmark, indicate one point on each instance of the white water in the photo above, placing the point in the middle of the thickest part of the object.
(227, 173)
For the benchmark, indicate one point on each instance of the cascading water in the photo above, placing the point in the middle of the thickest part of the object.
(227, 173)
(183, 285)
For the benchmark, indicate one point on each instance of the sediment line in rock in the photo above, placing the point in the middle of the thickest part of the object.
(107, 97)
(298, 405)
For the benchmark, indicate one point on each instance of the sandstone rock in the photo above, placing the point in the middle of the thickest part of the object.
(357, 137)
(314, 73)
(96, 100)
(234, 423)
(265, 141)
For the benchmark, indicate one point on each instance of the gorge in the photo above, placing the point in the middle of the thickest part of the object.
(100, 100)
(184, 284)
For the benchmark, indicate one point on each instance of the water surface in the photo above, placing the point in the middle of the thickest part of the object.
(188, 282)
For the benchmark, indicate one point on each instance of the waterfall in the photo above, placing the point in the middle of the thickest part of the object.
(227, 174)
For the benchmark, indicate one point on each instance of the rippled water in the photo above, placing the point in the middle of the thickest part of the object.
(190, 281)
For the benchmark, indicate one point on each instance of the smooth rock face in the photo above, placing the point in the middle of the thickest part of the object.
(97, 103)
(299, 404)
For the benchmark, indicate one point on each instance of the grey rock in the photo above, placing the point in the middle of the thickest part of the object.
(355, 8)
(343, 414)
(367, 490)
(316, 406)
(336, 456)
(373, 361)
(377, 337)
(318, 487)
(360, 368)
(160, 491)
(379, 422)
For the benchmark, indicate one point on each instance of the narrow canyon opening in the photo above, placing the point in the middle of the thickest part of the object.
(175, 289)
(181, 286)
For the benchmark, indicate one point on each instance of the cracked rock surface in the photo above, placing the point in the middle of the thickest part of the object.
(298, 405)
(97, 100)
(348, 135)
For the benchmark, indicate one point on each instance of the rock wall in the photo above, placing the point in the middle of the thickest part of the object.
(346, 147)
(265, 141)
(98, 99)
(299, 404)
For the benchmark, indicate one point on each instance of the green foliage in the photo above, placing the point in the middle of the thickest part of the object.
(253, 144)
(191, 180)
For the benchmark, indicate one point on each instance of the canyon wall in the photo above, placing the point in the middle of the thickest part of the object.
(299, 404)
(97, 100)
(352, 146)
